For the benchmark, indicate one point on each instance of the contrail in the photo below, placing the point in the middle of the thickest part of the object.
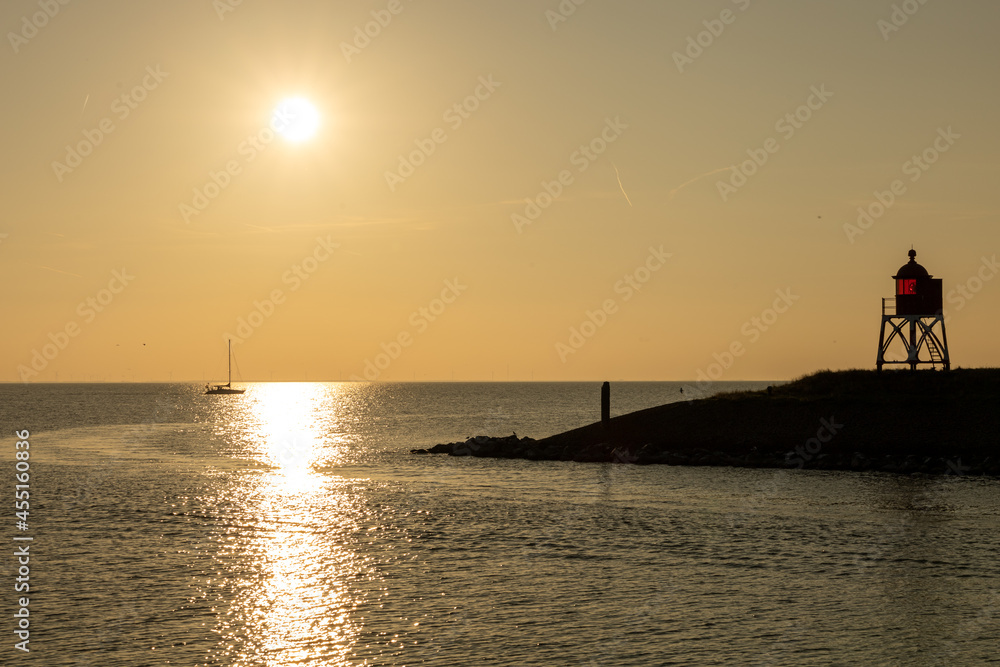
(49, 268)
(622, 186)
(266, 229)
(85, 104)
(696, 178)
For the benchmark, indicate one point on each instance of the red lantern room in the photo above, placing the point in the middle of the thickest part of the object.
(913, 322)
(917, 292)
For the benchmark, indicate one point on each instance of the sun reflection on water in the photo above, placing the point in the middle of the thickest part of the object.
(293, 428)
(288, 423)
(291, 553)
(301, 612)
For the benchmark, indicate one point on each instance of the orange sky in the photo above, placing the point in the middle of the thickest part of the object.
(613, 193)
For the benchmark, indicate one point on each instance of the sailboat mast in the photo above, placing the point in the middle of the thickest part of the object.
(230, 361)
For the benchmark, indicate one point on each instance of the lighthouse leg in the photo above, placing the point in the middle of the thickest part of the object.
(881, 347)
(944, 339)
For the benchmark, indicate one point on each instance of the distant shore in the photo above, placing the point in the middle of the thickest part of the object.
(928, 422)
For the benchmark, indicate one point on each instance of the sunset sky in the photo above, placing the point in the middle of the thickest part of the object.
(141, 171)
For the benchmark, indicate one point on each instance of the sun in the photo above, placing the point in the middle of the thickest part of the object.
(296, 119)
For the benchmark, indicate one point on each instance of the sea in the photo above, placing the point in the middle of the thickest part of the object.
(291, 525)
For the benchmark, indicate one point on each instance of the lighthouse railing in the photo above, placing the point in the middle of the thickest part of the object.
(889, 306)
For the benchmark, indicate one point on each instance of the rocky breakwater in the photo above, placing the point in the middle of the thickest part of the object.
(924, 422)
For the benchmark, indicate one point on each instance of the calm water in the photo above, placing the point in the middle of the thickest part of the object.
(290, 526)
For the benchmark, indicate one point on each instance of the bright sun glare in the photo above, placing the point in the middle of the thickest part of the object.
(296, 119)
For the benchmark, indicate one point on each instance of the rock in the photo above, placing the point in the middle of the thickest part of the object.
(436, 449)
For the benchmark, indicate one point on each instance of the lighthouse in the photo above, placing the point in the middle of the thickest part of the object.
(913, 320)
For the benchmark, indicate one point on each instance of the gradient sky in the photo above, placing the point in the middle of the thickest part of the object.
(557, 85)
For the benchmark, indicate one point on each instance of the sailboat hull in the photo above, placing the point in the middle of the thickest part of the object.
(228, 387)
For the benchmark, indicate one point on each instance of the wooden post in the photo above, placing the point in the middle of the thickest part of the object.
(606, 404)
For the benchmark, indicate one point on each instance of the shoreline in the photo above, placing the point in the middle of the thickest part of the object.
(934, 423)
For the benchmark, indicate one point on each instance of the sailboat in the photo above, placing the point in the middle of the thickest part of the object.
(228, 387)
